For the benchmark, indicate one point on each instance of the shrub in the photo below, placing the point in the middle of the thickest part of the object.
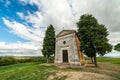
(7, 61)
(11, 60)
(27, 60)
(51, 60)
(43, 60)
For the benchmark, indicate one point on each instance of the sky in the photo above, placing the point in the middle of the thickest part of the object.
(23, 22)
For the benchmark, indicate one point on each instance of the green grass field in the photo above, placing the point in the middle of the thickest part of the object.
(112, 60)
(37, 71)
(25, 71)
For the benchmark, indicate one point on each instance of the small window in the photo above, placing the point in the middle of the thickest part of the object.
(64, 42)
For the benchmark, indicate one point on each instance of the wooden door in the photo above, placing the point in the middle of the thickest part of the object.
(65, 56)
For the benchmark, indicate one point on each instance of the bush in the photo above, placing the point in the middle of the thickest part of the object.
(11, 60)
(7, 61)
(51, 60)
(27, 60)
(44, 60)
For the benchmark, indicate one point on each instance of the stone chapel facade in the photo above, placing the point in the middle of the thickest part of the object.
(67, 48)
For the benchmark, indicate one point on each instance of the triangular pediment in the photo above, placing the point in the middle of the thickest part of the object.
(65, 32)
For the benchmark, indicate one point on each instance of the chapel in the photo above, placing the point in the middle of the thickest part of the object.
(67, 48)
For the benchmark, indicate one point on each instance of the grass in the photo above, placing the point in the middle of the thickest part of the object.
(25, 71)
(37, 71)
(112, 60)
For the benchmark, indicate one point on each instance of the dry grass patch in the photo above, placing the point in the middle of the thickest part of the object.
(77, 75)
(105, 71)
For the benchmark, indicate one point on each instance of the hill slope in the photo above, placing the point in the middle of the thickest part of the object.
(107, 70)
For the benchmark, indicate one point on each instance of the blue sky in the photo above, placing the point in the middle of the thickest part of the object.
(9, 39)
(23, 22)
(8, 9)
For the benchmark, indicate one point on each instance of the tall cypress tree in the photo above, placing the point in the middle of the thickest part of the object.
(49, 42)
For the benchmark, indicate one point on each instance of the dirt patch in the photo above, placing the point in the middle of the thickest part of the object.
(77, 75)
(47, 64)
(105, 71)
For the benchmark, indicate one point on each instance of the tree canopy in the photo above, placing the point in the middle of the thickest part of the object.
(49, 42)
(117, 47)
(93, 37)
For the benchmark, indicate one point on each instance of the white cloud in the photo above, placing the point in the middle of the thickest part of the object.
(19, 45)
(20, 14)
(113, 54)
(114, 38)
(20, 49)
(36, 2)
(65, 13)
(7, 3)
(32, 34)
(53, 12)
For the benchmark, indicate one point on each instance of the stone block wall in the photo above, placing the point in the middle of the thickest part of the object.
(70, 45)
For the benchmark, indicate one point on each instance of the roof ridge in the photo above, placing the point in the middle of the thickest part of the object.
(70, 31)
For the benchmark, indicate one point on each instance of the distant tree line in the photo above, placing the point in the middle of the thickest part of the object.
(7, 60)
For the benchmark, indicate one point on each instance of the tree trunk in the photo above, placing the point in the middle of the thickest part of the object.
(47, 60)
(92, 60)
(95, 60)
